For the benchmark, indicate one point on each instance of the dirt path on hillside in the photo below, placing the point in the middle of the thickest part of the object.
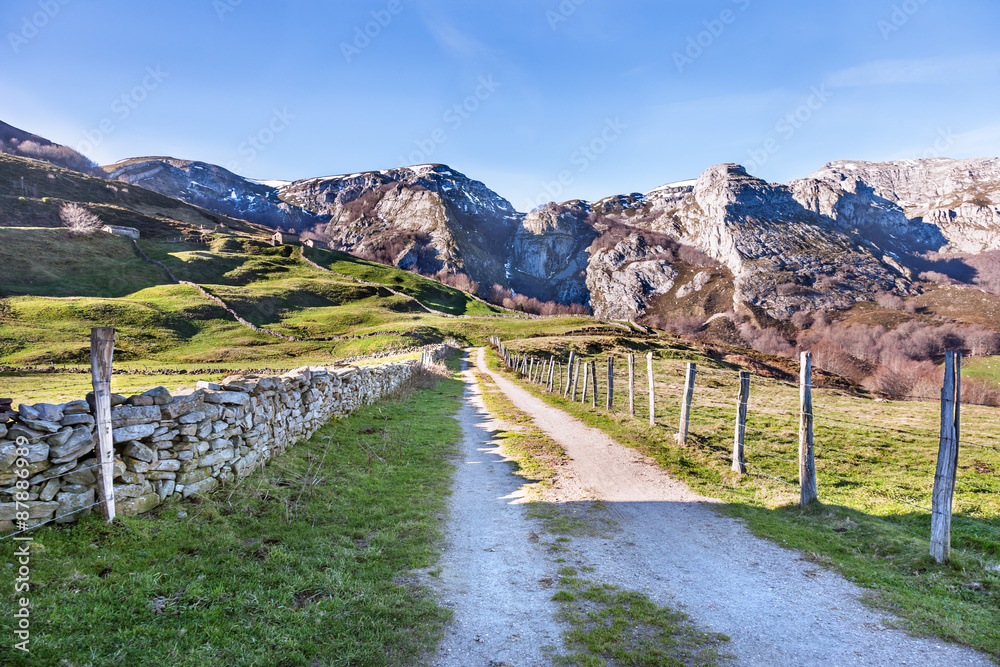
(777, 608)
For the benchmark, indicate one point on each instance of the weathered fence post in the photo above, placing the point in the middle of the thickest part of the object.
(102, 348)
(807, 461)
(593, 381)
(569, 374)
(611, 382)
(531, 369)
(552, 370)
(739, 437)
(649, 373)
(586, 381)
(631, 384)
(682, 430)
(947, 463)
(576, 379)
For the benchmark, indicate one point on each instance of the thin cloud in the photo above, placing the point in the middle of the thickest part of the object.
(928, 71)
(456, 42)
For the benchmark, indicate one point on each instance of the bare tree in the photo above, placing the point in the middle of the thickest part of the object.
(79, 219)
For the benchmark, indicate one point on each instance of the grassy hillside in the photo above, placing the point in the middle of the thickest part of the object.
(55, 286)
(32, 192)
(432, 294)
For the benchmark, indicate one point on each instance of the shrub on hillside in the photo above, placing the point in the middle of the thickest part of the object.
(977, 392)
(681, 326)
(79, 220)
(766, 341)
(459, 280)
(900, 377)
(501, 296)
(61, 156)
(889, 300)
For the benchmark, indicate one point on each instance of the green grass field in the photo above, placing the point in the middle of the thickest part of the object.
(875, 465)
(58, 286)
(305, 562)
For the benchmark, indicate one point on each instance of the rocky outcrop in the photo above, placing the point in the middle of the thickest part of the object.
(429, 217)
(937, 203)
(548, 257)
(173, 444)
(783, 256)
(624, 278)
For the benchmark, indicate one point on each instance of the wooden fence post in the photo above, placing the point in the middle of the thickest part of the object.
(576, 379)
(102, 348)
(611, 382)
(807, 461)
(631, 384)
(552, 370)
(649, 375)
(739, 437)
(947, 463)
(569, 374)
(593, 379)
(586, 381)
(682, 430)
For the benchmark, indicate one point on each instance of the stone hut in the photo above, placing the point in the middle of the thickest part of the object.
(281, 238)
(130, 232)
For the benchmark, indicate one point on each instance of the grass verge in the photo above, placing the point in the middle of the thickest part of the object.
(538, 457)
(302, 563)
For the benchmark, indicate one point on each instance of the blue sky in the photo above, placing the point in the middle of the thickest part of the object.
(540, 99)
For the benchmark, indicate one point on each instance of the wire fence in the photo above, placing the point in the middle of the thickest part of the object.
(898, 439)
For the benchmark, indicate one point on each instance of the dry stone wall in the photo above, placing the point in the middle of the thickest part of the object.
(173, 445)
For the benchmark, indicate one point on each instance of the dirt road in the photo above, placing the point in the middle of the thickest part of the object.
(777, 608)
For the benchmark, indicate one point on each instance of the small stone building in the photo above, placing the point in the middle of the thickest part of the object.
(281, 238)
(313, 243)
(130, 232)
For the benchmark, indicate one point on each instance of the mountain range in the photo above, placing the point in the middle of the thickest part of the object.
(724, 241)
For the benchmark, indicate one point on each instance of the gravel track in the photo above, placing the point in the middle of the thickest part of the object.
(777, 608)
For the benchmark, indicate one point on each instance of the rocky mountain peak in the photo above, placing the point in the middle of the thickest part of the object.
(934, 203)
